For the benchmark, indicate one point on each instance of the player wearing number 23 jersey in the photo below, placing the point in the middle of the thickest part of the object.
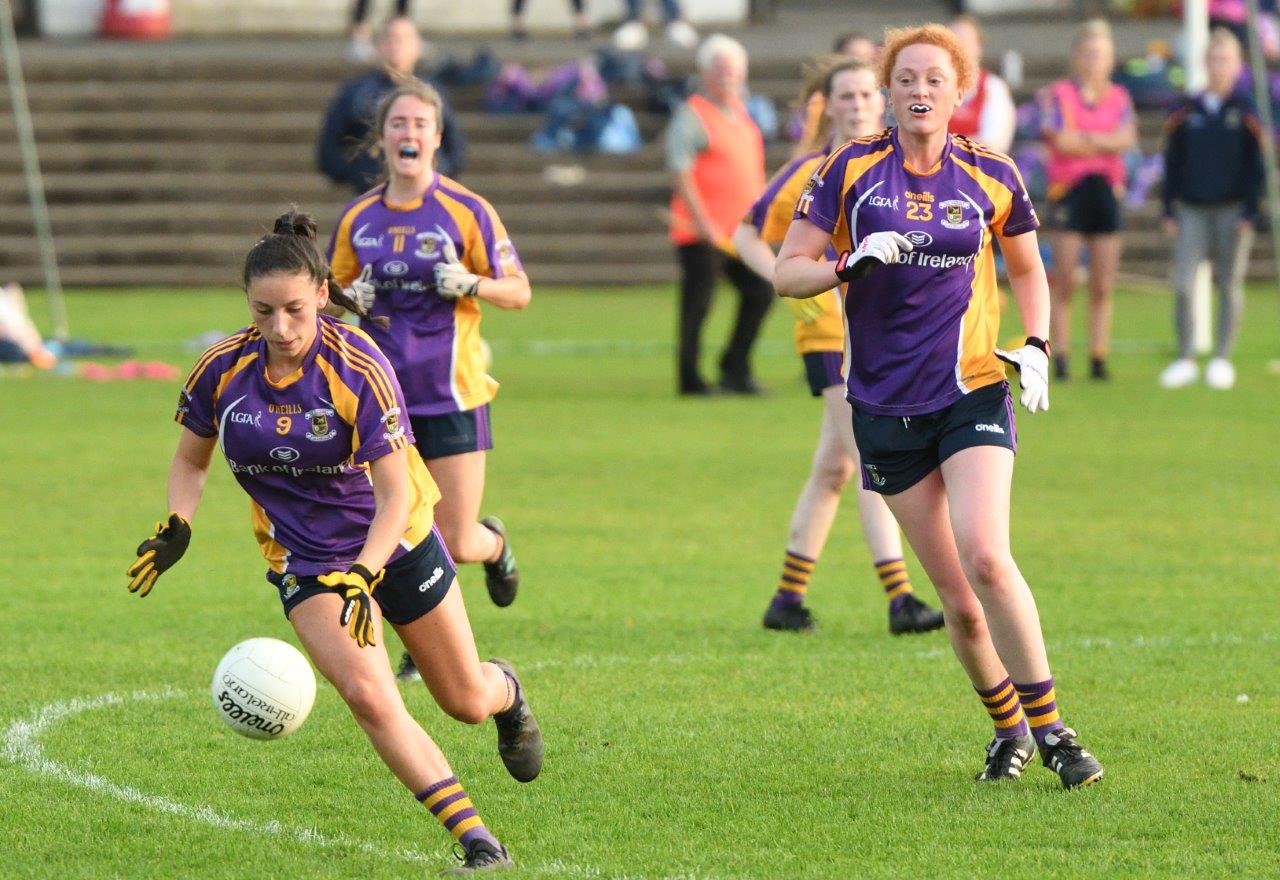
(920, 334)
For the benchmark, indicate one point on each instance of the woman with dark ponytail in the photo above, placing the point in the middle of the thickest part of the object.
(309, 416)
(424, 251)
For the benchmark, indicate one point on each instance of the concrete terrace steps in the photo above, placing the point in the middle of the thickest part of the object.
(163, 164)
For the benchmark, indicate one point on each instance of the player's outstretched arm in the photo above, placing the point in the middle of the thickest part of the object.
(187, 474)
(392, 504)
(1031, 290)
(801, 271)
(754, 250)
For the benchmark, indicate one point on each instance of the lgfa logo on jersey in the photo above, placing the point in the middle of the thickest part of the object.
(359, 239)
(321, 429)
(953, 214)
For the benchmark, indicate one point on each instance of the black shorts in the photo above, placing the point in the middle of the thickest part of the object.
(413, 585)
(822, 369)
(899, 452)
(453, 433)
(1090, 208)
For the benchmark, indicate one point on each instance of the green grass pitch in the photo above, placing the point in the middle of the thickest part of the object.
(682, 739)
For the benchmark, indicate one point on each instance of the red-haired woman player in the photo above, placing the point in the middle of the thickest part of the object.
(912, 214)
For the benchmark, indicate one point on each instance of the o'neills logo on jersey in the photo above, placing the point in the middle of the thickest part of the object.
(953, 214)
(359, 239)
(321, 428)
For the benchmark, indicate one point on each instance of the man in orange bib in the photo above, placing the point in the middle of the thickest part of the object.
(716, 155)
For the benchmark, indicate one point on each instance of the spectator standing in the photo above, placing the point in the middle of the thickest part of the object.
(633, 36)
(1213, 171)
(1088, 125)
(986, 114)
(520, 25)
(716, 155)
(360, 37)
(345, 134)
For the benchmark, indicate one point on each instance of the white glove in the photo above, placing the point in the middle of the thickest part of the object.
(362, 290)
(1032, 365)
(876, 249)
(452, 278)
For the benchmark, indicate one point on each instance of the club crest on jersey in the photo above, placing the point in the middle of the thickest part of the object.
(391, 418)
(506, 253)
(184, 402)
(321, 428)
(953, 214)
(428, 245)
(806, 195)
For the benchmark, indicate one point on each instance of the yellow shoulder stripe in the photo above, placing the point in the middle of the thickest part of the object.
(216, 350)
(362, 364)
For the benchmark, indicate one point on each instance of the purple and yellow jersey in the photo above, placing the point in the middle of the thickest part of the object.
(921, 333)
(771, 216)
(433, 343)
(301, 447)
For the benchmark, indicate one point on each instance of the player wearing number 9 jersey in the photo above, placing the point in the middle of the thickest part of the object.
(853, 107)
(424, 251)
(310, 418)
(914, 212)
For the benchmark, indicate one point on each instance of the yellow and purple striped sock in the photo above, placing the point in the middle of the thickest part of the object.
(893, 577)
(1002, 704)
(448, 802)
(794, 583)
(1041, 705)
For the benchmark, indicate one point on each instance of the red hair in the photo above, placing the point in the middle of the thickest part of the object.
(897, 39)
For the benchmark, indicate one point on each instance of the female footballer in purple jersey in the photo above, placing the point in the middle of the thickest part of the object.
(912, 214)
(424, 251)
(853, 108)
(307, 412)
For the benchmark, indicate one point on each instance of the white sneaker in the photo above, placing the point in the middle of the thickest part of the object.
(1220, 374)
(682, 34)
(631, 37)
(1180, 373)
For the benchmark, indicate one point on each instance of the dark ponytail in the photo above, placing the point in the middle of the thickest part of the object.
(291, 249)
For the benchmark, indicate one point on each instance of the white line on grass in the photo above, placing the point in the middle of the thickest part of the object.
(21, 746)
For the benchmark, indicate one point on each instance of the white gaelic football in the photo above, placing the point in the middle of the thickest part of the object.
(264, 688)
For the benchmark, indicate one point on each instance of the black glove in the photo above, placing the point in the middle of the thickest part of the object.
(355, 586)
(157, 554)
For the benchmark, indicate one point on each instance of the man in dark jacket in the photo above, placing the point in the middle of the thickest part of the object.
(1213, 174)
(341, 151)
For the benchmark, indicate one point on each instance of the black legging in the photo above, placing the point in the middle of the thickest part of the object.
(700, 264)
(361, 11)
(517, 6)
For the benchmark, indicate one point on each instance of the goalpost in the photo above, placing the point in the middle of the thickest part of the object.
(31, 170)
